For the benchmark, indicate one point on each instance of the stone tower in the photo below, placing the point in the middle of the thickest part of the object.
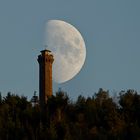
(45, 60)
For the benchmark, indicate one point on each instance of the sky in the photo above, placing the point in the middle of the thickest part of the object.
(110, 28)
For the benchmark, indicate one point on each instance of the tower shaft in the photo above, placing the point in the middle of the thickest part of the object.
(45, 60)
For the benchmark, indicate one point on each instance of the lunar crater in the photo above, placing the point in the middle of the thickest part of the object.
(68, 48)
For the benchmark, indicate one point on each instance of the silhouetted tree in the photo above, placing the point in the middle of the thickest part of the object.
(97, 117)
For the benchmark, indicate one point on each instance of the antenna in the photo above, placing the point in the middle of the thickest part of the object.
(46, 46)
(35, 93)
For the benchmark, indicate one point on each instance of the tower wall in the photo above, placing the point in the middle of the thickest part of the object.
(45, 60)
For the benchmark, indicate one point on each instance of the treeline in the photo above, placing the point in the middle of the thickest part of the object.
(100, 117)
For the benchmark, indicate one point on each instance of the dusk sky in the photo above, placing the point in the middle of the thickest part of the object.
(110, 28)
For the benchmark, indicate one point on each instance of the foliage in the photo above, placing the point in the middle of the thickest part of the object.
(98, 117)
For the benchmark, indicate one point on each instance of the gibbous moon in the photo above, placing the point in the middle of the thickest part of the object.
(68, 48)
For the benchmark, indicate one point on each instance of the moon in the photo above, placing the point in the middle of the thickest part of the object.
(68, 47)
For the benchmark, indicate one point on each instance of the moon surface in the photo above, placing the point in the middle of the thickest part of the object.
(68, 48)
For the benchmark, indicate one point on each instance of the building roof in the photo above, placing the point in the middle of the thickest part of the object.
(45, 50)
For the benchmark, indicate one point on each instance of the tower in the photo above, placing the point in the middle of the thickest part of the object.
(45, 60)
